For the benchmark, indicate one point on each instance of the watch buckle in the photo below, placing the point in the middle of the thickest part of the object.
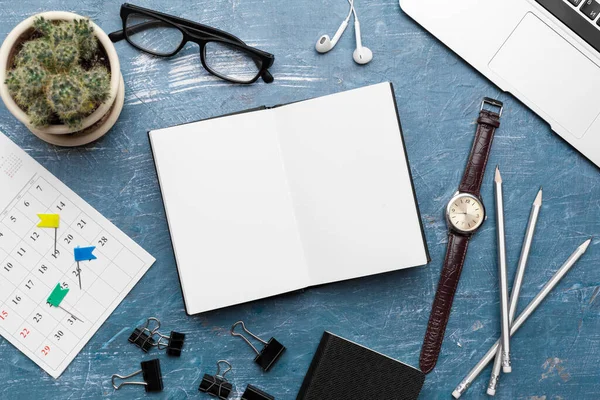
(492, 102)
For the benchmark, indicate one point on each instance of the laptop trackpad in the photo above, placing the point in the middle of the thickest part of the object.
(551, 73)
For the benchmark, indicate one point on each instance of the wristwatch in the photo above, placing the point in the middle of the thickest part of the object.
(464, 215)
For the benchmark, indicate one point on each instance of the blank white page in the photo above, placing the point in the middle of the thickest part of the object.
(229, 209)
(350, 183)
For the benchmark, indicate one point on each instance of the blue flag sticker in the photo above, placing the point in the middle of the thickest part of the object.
(84, 253)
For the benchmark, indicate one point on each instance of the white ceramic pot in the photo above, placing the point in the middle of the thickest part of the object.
(93, 126)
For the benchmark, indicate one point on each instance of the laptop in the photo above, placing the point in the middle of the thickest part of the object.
(544, 52)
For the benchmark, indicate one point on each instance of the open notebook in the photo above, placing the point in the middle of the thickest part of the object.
(274, 200)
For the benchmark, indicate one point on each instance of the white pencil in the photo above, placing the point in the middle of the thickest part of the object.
(502, 274)
(531, 307)
(518, 282)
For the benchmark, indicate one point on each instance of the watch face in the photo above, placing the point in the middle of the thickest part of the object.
(465, 213)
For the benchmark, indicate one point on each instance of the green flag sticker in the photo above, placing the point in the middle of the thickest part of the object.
(57, 295)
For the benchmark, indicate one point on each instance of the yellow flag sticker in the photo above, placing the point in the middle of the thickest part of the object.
(48, 220)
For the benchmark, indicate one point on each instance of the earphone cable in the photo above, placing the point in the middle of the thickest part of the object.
(352, 10)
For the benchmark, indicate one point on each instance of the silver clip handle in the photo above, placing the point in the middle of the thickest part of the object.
(233, 333)
(117, 387)
(229, 368)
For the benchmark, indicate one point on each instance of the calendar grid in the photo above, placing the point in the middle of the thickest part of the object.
(67, 276)
(30, 268)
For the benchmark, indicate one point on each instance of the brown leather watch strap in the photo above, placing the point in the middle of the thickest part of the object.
(440, 310)
(487, 123)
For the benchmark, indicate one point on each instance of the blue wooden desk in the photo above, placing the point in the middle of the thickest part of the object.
(556, 355)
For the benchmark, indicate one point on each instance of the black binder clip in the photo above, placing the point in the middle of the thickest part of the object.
(269, 353)
(174, 343)
(143, 337)
(217, 385)
(150, 372)
(254, 393)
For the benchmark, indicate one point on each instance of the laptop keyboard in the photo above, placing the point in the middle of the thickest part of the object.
(590, 9)
(581, 16)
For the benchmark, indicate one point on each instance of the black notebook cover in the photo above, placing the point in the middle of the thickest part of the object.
(343, 370)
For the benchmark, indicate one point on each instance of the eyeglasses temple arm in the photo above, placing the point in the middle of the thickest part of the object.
(202, 28)
(116, 36)
(267, 77)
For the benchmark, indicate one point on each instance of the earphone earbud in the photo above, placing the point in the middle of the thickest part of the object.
(325, 43)
(362, 55)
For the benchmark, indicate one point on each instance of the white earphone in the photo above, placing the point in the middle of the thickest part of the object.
(325, 43)
(362, 54)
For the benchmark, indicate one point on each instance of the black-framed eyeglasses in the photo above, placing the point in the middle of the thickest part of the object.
(222, 54)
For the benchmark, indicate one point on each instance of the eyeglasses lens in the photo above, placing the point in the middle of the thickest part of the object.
(231, 62)
(152, 35)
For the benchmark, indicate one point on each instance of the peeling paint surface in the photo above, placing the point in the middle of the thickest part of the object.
(555, 355)
(555, 366)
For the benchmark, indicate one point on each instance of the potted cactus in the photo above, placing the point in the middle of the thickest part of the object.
(60, 76)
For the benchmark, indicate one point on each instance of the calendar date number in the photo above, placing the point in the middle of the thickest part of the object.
(37, 317)
(8, 266)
